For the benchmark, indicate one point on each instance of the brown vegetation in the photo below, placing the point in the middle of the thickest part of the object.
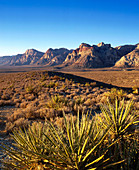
(121, 78)
(40, 95)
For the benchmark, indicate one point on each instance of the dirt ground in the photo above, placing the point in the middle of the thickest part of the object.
(118, 78)
(122, 77)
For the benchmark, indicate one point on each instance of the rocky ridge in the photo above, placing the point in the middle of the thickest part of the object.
(86, 56)
(101, 55)
(31, 56)
(129, 60)
(54, 56)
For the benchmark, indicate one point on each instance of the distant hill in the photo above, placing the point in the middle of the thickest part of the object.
(86, 56)
(54, 56)
(101, 55)
(129, 60)
(31, 56)
(5, 60)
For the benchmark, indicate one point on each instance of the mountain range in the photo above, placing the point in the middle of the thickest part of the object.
(86, 56)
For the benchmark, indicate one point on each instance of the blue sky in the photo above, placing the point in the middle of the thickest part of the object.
(66, 23)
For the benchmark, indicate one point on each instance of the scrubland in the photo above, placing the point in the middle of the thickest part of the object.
(41, 96)
(122, 78)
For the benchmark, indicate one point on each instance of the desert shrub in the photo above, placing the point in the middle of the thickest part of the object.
(89, 102)
(55, 78)
(67, 82)
(5, 96)
(79, 100)
(87, 84)
(115, 93)
(29, 97)
(124, 121)
(93, 84)
(2, 102)
(23, 104)
(9, 126)
(51, 84)
(77, 146)
(16, 115)
(57, 102)
(19, 123)
(135, 90)
(11, 86)
(29, 89)
(56, 84)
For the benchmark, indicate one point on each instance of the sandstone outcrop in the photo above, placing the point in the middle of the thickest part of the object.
(54, 56)
(86, 56)
(125, 49)
(101, 55)
(31, 56)
(129, 60)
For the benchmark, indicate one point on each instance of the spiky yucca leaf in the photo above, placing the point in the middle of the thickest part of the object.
(79, 146)
(26, 143)
(124, 121)
(119, 115)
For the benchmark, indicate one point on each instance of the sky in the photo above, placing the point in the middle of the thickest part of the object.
(43, 24)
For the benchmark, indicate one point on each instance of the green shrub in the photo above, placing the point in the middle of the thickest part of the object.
(77, 146)
(87, 84)
(124, 121)
(44, 77)
(29, 89)
(57, 102)
(135, 90)
(51, 84)
(87, 142)
(115, 94)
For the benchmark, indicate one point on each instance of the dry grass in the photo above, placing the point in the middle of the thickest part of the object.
(40, 95)
(118, 78)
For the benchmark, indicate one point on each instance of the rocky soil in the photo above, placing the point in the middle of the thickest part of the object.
(39, 95)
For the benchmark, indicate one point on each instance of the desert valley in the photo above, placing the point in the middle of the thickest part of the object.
(37, 87)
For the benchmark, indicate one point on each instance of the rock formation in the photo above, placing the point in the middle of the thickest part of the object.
(31, 56)
(54, 56)
(101, 55)
(86, 56)
(129, 60)
(5, 60)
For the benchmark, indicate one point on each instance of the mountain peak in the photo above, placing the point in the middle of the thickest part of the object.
(101, 55)
(83, 45)
(102, 44)
(30, 51)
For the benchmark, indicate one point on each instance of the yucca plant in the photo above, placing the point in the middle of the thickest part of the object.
(124, 121)
(57, 102)
(114, 94)
(78, 146)
(121, 116)
(26, 142)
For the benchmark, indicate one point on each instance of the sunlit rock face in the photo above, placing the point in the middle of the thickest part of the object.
(86, 56)
(31, 56)
(54, 56)
(129, 60)
(101, 55)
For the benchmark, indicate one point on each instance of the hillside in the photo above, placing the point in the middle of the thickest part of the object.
(86, 56)
(54, 56)
(31, 56)
(129, 60)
